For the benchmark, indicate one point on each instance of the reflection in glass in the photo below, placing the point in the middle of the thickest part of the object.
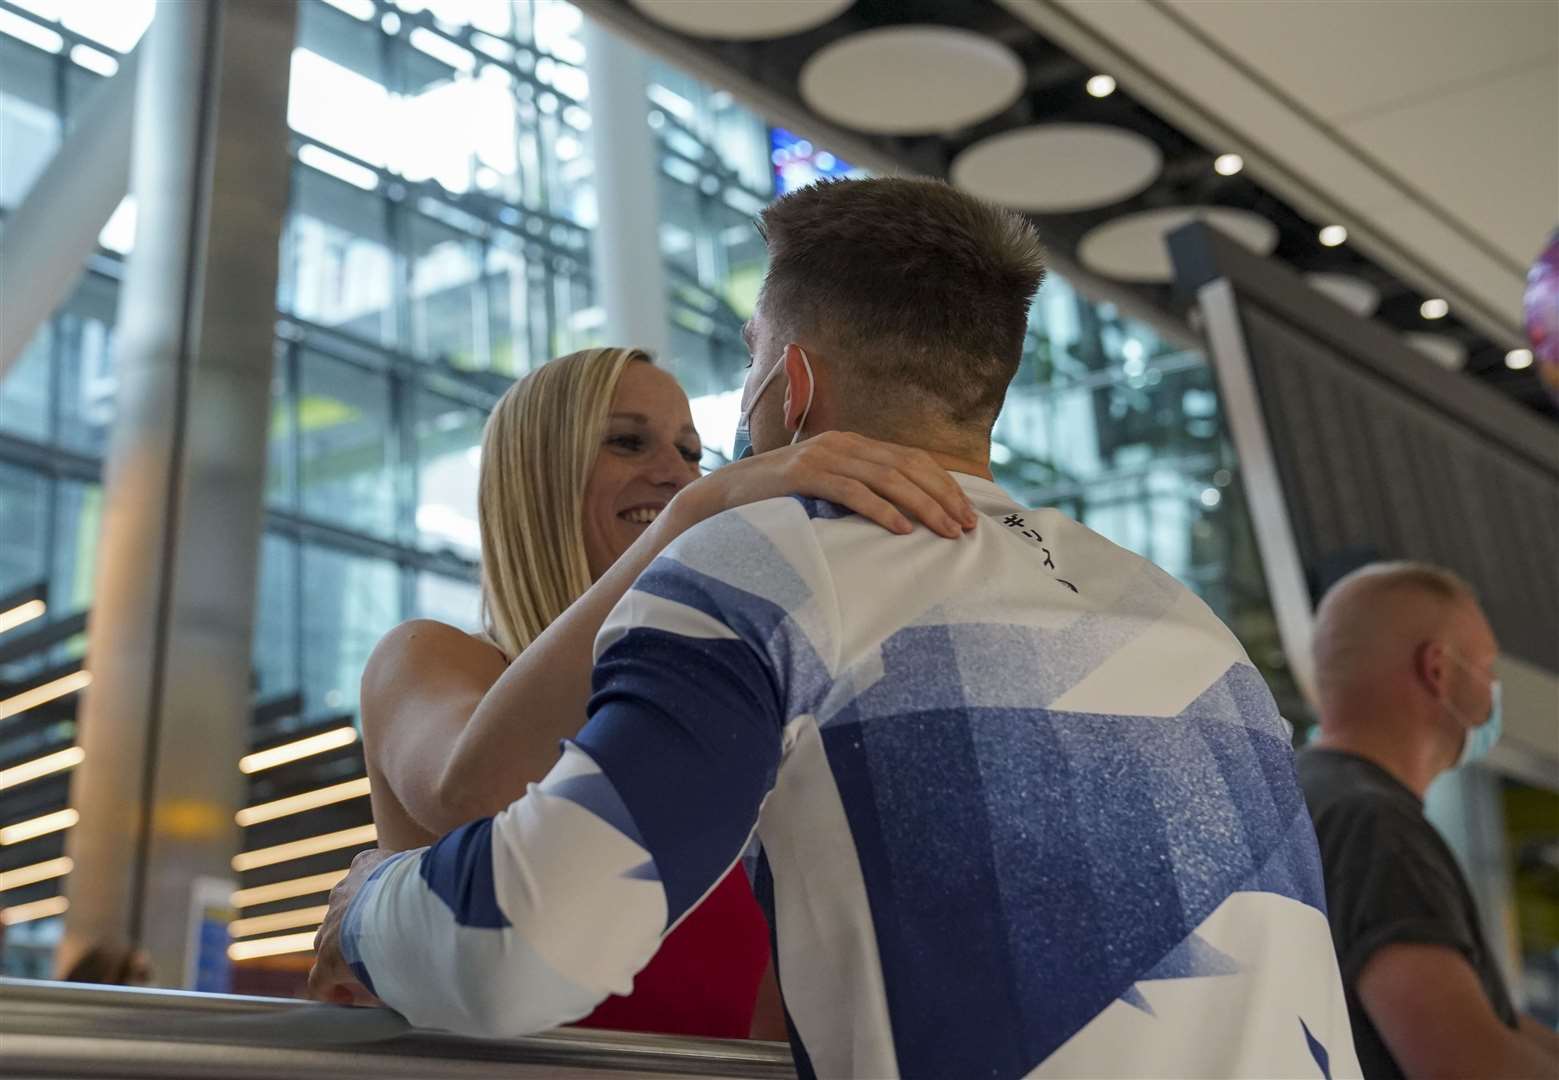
(29, 117)
(24, 390)
(277, 653)
(349, 602)
(337, 268)
(343, 423)
(89, 380)
(448, 301)
(24, 512)
(448, 438)
(449, 600)
(78, 519)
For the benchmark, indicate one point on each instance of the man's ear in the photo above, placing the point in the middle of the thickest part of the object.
(1430, 666)
(800, 389)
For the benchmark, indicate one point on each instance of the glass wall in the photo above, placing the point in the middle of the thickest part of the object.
(424, 264)
(437, 245)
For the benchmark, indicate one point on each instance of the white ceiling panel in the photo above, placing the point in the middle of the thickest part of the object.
(1342, 57)
(1488, 153)
(1427, 127)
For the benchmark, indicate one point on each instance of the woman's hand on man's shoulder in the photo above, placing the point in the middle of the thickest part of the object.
(883, 482)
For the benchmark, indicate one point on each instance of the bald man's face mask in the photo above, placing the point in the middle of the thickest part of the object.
(1482, 738)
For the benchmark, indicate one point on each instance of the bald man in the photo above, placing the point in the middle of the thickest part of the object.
(1405, 674)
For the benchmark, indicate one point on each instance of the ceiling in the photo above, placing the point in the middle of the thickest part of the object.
(1428, 128)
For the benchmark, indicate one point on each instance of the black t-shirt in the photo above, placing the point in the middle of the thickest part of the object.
(1390, 879)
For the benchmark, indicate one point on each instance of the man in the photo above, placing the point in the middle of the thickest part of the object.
(1405, 675)
(1025, 807)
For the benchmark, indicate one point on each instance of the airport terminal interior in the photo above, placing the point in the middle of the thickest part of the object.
(1287, 329)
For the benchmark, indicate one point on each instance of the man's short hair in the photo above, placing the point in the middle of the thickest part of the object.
(1435, 581)
(924, 289)
(1354, 612)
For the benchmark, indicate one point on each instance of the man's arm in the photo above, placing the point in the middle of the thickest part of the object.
(1543, 1037)
(1431, 1010)
(528, 919)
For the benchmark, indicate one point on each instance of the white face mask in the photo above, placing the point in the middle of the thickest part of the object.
(741, 445)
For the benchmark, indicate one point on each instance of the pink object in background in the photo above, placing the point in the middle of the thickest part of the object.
(1542, 315)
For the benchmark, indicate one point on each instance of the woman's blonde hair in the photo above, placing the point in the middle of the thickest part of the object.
(539, 446)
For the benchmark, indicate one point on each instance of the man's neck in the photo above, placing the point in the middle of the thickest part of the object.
(956, 463)
(1408, 755)
(956, 451)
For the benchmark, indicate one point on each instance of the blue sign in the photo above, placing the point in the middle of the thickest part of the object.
(798, 163)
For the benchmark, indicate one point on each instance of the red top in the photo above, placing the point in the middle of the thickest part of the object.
(704, 980)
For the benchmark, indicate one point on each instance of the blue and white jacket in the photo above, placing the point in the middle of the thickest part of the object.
(1022, 806)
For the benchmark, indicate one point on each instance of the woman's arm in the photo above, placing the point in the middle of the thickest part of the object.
(447, 771)
(419, 689)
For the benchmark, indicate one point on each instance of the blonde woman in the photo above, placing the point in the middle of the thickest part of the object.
(589, 469)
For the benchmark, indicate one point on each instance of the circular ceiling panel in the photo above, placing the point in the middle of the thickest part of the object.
(1055, 168)
(1133, 248)
(1444, 351)
(748, 20)
(903, 80)
(1353, 293)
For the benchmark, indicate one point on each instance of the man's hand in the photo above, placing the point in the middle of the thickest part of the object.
(330, 979)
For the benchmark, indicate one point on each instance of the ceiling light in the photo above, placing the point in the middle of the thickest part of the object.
(38, 909)
(271, 946)
(1333, 235)
(1211, 497)
(33, 828)
(1101, 86)
(875, 80)
(1228, 164)
(297, 804)
(281, 920)
(47, 765)
(94, 60)
(1132, 248)
(31, 875)
(261, 760)
(40, 695)
(1434, 308)
(286, 890)
(21, 613)
(1084, 165)
(1518, 359)
(361, 836)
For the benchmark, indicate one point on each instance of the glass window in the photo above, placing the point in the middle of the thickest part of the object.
(480, 152)
(344, 435)
(718, 129)
(349, 602)
(276, 642)
(29, 117)
(337, 93)
(448, 296)
(281, 442)
(338, 267)
(576, 322)
(89, 380)
(118, 24)
(448, 439)
(24, 390)
(24, 523)
(449, 600)
(517, 307)
(78, 521)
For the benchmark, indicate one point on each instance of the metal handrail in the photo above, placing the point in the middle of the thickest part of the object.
(75, 1030)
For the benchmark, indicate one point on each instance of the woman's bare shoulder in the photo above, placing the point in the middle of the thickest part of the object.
(420, 647)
